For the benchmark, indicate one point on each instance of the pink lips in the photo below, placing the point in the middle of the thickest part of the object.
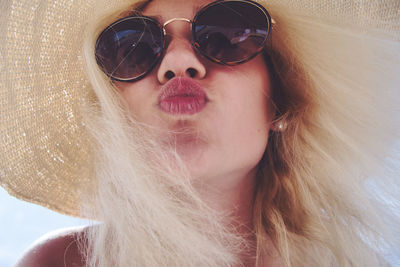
(182, 96)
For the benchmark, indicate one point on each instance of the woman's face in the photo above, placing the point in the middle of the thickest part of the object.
(218, 116)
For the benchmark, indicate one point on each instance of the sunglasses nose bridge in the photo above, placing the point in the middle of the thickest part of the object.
(172, 20)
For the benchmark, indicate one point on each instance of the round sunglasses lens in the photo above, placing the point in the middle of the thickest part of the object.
(231, 32)
(129, 48)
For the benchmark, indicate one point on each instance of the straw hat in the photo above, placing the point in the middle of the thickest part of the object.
(45, 149)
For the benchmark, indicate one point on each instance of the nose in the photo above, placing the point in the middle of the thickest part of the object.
(180, 60)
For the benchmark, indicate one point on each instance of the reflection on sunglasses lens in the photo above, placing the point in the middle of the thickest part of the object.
(129, 48)
(231, 32)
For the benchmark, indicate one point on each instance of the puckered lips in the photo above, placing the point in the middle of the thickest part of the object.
(182, 96)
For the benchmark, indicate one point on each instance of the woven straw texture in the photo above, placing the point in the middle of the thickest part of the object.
(45, 148)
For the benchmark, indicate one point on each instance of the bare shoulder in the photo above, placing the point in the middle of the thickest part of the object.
(59, 248)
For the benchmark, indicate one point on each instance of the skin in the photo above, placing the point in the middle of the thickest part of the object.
(222, 144)
(61, 249)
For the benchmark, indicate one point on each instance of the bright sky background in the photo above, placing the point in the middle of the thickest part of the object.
(22, 223)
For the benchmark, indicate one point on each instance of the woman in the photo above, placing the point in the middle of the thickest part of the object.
(220, 133)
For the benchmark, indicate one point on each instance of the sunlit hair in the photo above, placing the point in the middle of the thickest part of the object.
(333, 89)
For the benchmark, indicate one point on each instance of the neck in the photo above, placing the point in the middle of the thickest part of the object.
(232, 196)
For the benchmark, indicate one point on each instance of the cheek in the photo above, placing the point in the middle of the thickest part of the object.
(250, 123)
(134, 100)
(138, 97)
(249, 96)
(246, 120)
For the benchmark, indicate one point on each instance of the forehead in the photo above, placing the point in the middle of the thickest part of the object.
(167, 9)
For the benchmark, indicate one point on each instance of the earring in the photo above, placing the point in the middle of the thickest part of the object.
(279, 126)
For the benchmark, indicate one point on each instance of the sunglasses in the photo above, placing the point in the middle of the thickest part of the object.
(225, 32)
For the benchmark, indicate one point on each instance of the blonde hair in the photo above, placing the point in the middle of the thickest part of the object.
(312, 196)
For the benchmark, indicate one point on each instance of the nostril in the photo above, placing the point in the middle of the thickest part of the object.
(169, 75)
(192, 72)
